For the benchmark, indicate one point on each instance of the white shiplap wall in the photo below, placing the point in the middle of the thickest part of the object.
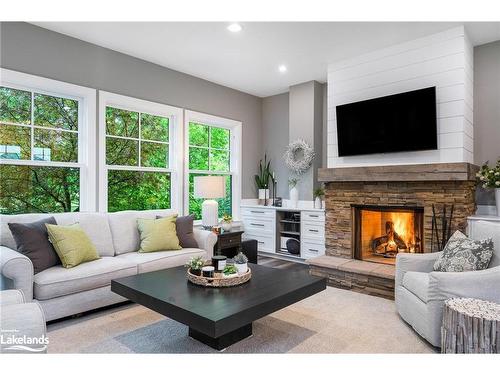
(444, 60)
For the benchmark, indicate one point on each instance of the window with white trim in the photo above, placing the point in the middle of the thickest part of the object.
(47, 134)
(213, 148)
(139, 165)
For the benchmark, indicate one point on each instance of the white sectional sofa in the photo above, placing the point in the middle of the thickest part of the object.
(62, 292)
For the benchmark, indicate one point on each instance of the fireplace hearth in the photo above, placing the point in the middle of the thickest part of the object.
(381, 232)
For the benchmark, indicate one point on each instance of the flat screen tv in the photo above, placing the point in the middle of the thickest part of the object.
(394, 123)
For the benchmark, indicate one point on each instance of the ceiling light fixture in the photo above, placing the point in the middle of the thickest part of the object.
(282, 68)
(234, 27)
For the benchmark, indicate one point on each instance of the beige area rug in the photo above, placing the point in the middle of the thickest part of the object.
(333, 321)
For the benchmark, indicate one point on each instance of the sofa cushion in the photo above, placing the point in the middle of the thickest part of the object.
(59, 281)
(32, 240)
(418, 284)
(147, 262)
(72, 244)
(185, 231)
(124, 230)
(95, 225)
(158, 234)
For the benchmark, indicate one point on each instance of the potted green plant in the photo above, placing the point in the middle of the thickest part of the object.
(195, 264)
(489, 177)
(227, 222)
(241, 262)
(318, 194)
(230, 271)
(262, 179)
(294, 193)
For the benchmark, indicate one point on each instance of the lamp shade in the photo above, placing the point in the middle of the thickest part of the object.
(209, 187)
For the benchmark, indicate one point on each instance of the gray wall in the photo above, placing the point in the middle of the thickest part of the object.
(34, 50)
(486, 110)
(275, 133)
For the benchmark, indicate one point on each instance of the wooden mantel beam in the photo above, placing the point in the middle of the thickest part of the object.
(412, 172)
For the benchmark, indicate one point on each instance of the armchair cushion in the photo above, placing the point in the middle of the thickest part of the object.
(463, 254)
(418, 284)
(414, 262)
(474, 284)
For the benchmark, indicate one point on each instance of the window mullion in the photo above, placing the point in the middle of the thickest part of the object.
(32, 151)
(140, 139)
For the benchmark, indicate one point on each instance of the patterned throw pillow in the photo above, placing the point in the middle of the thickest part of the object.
(462, 254)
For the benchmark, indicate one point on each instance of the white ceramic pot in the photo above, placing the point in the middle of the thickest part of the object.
(227, 226)
(242, 268)
(263, 194)
(317, 202)
(497, 199)
(294, 197)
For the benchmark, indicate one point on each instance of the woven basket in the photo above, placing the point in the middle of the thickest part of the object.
(219, 281)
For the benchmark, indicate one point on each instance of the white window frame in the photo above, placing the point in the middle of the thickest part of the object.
(235, 167)
(86, 98)
(175, 116)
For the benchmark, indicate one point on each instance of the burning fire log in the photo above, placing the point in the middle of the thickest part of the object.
(390, 242)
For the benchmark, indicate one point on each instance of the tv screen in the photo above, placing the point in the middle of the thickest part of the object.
(395, 123)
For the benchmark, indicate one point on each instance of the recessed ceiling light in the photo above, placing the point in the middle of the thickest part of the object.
(234, 27)
(282, 68)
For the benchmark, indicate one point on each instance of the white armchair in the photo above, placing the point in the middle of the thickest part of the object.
(421, 291)
(20, 320)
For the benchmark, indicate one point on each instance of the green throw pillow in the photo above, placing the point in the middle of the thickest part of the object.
(158, 234)
(72, 244)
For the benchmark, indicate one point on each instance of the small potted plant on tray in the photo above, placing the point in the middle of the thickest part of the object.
(230, 271)
(241, 263)
(227, 222)
(195, 265)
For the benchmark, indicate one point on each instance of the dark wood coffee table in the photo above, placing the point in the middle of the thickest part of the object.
(218, 317)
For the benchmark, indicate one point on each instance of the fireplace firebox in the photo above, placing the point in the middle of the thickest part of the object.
(381, 232)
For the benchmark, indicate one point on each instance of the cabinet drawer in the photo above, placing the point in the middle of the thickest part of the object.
(314, 231)
(264, 243)
(312, 216)
(229, 241)
(258, 226)
(259, 213)
(311, 250)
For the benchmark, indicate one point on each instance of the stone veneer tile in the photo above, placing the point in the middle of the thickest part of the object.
(385, 270)
(328, 261)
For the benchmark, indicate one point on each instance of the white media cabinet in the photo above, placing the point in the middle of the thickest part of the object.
(270, 226)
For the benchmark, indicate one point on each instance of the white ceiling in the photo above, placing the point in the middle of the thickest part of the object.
(249, 60)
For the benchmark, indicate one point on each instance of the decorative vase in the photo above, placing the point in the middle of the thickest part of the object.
(263, 194)
(227, 226)
(497, 199)
(242, 268)
(195, 272)
(294, 197)
(317, 202)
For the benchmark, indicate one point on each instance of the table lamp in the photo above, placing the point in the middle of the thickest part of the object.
(209, 188)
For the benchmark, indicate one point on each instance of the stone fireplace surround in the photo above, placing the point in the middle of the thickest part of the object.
(419, 185)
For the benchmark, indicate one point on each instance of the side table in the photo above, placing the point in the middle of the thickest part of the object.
(228, 243)
(470, 326)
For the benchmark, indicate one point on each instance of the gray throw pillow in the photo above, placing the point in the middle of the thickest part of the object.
(184, 229)
(32, 240)
(462, 254)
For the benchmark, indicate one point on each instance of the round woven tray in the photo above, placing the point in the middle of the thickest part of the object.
(219, 281)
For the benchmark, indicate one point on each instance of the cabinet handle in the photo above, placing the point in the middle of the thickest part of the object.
(257, 225)
(313, 230)
(314, 250)
(257, 212)
(261, 242)
(313, 216)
